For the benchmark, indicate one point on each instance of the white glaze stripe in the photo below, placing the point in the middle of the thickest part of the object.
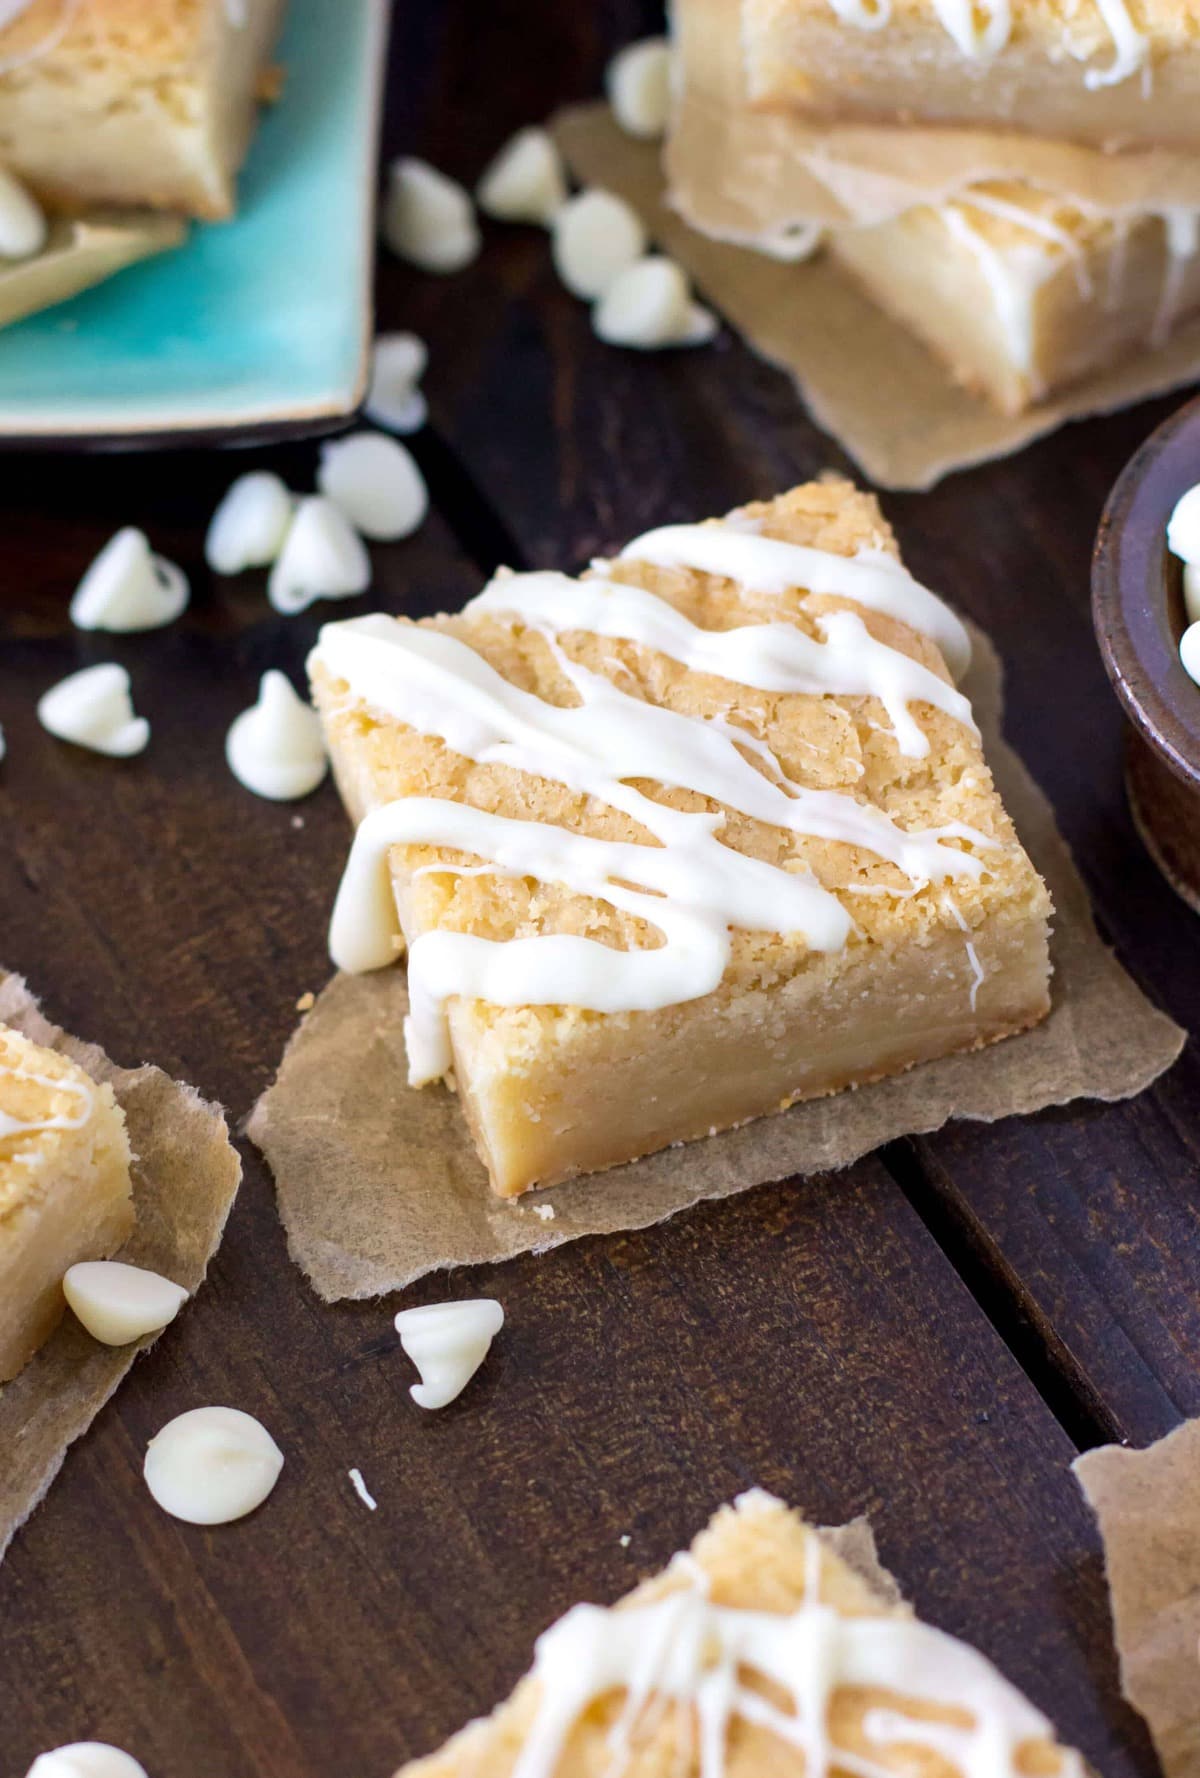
(15, 1126)
(770, 565)
(981, 37)
(684, 1651)
(1044, 227)
(849, 662)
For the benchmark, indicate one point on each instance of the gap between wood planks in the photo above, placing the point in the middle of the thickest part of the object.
(1057, 1376)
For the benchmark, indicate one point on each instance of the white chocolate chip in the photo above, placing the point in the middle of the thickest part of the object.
(376, 483)
(1191, 592)
(212, 1465)
(594, 237)
(648, 305)
(525, 182)
(428, 218)
(248, 528)
(128, 588)
(118, 1303)
(1183, 527)
(93, 709)
(638, 83)
(322, 558)
(397, 365)
(448, 1342)
(361, 1489)
(22, 225)
(276, 748)
(86, 1759)
(1189, 652)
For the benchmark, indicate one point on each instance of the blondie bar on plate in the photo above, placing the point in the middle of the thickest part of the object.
(758, 1654)
(65, 1191)
(1110, 73)
(132, 102)
(678, 843)
(1023, 293)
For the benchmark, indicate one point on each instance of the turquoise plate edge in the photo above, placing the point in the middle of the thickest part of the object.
(258, 323)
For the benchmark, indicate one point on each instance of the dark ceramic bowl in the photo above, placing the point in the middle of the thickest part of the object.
(1137, 608)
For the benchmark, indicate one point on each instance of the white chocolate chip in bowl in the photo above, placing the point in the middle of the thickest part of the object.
(375, 481)
(394, 400)
(276, 748)
(594, 237)
(128, 588)
(649, 305)
(22, 224)
(428, 218)
(118, 1303)
(638, 83)
(323, 557)
(211, 1466)
(86, 1759)
(1189, 651)
(526, 181)
(93, 709)
(448, 1342)
(250, 524)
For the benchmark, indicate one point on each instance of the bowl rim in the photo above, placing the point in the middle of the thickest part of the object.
(1133, 597)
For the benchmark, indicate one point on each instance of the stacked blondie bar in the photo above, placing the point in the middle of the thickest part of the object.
(1016, 181)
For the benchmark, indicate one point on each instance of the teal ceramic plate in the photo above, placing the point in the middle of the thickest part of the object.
(256, 327)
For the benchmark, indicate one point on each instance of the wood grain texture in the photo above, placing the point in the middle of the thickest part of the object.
(816, 1338)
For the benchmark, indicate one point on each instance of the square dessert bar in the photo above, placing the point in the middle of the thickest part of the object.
(1108, 73)
(65, 1192)
(673, 845)
(1022, 292)
(761, 1653)
(132, 103)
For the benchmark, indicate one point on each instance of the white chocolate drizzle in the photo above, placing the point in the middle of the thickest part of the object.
(1012, 297)
(15, 1126)
(687, 886)
(978, 973)
(778, 657)
(683, 1650)
(1044, 227)
(982, 31)
(739, 552)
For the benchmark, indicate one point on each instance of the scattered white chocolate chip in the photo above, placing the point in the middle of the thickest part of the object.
(1189, 651)
(543, 1212)
(1191, 593)
(276, 748)
(248, 528)
(593, 238)
(22, 224)
(118, 1303)
(93, 709)
(638, 83)
(361, 1489)
(428, 218)
(376, 483)
(86, 1759)
(625, 1540)
(394, 401)
(212, 1465)
(526, 181)
(448, 1342)
(129, 588)
(649, 305)
(322, 557)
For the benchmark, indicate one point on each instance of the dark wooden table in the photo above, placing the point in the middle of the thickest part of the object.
(929, 1338)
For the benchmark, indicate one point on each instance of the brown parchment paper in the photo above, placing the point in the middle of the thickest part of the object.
(1148, 1507)
(81, 253)
(379, 1184)
(862, 376)
(748, 175)
(185, 1177)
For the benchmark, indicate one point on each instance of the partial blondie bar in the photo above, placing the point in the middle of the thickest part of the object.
(1023, 293)
(1108, 73)
(678, 843)
(759, 1654)
(130, 103)
(65, 1191)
